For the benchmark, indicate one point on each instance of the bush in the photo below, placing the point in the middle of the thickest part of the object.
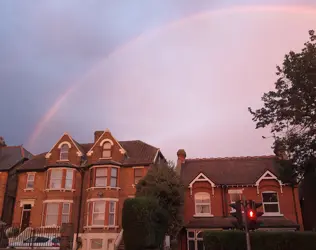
(144, 223)
(236, 240)
(12, 232)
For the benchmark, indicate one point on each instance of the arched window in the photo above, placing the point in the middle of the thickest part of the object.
(106, 153)
(64, 151)
(202, 204)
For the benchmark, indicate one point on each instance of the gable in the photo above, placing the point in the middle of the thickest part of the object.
(106, 137)
(201, 178)
(267, 175)
(65, 139)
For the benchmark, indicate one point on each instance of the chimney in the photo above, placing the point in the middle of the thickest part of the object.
(181, 159)
(2, 142)
(97, 135)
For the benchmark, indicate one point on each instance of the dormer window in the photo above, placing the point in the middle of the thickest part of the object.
(107, 148)
(64, 151)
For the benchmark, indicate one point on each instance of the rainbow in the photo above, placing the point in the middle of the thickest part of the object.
(302, 10)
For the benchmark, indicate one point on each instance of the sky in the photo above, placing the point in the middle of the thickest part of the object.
(173, 73)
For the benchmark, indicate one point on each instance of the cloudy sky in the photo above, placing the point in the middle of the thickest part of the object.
(174, 73)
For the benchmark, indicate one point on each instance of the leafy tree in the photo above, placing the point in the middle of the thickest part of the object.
(163, 183)
(290, 110)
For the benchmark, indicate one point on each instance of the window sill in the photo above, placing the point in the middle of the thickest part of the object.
(203, 215)
(106, 158)
(273, 214)
(51, 226)
(100, 227)
(59, 189)
(107, 188)
(28, 190)
(63, 160)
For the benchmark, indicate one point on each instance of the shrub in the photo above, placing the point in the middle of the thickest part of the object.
(144, 222)
(12, 232)
(236, 240)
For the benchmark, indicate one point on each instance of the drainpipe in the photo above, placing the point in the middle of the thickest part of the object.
(223, 206)
(82, 172)
(294, 201)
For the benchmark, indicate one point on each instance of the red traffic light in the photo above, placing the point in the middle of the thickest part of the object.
(251, 214)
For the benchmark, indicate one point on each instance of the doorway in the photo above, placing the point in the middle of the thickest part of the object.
(26, 216)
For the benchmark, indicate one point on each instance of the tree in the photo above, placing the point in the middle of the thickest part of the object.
(290, 110)
(163, 183)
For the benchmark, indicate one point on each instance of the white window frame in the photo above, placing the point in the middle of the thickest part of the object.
(71, 171)
(103, 176)
(107, 149)
(278, 203)
(63, 152)
(196, 204)
(112, 212)
(234, 191)
(28, 181)
(57, 213)
(102, 212)
(51, 178)
(65, 214)
(195, 238)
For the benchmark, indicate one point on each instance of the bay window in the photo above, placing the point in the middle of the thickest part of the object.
(56, 213)
(98, 213)
(111, 221)
(113, 182)
(104, 177)
(101, 177)
(65, 213)
(102, 213)
(60, 178)
(52, 210)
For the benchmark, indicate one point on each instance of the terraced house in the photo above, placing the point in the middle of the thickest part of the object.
(85, 184)
(11, 157)
(213, 183)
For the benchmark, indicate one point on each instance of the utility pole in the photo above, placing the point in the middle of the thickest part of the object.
(244, 204)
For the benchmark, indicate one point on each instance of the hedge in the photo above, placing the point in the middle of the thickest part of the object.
(144, 223)
(236, 240)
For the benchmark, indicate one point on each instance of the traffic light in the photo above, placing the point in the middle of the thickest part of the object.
(252, 214)
(237, 214)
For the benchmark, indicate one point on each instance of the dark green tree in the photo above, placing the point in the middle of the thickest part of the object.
(290, 113)
(290, 110)
(163, 183)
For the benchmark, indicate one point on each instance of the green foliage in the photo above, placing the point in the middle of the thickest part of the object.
(144, 223)
(290, 110)
(236, 240)
(163, 183)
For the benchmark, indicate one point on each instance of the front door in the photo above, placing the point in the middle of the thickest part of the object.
(26, 215)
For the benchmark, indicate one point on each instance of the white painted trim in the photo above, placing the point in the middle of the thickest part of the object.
(157, 153)
(102, 199)
(27, 202)
(197, 178)
(58, 201)
(138, 167)
(235, 191)
(64, 142)
(105, 166)
(271, 177)
(269, 213)
(106, 188)
(106, 140)
(203, 215)
(90, 152)
(273, 214)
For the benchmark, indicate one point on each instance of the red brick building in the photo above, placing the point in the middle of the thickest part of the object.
(212, 184)
(85, 184)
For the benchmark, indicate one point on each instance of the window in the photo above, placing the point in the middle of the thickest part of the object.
(56, 178)
(202, 204)
(195, 240)
(112, 213)
(65, 213)
(106, 153)
(270, 202)
(96, 243)
(234, 195)
(30, 180)
(138, 174)
(113, 182)
(68, 181)
(101, 177)
(64, 151)
(98, 213)
(52, 214)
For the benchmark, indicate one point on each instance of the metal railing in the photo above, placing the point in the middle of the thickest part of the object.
(31, 237)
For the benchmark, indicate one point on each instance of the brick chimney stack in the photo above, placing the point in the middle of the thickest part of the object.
(181, 159)
(2, 142)
(97, 135)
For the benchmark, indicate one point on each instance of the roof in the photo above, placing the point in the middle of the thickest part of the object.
(11, 155)
(138, 153)
(229, 171)
(229, 222)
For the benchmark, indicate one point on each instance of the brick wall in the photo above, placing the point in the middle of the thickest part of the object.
(3, 183)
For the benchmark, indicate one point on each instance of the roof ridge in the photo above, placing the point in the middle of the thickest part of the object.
(232, 158)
